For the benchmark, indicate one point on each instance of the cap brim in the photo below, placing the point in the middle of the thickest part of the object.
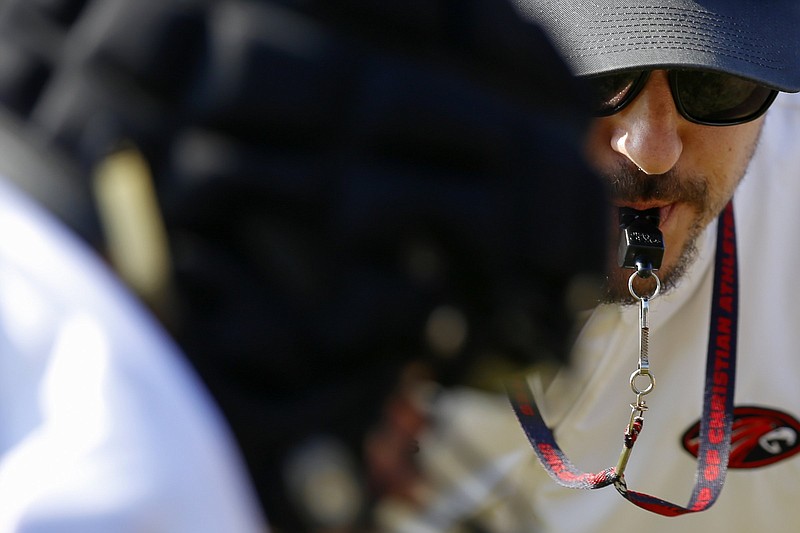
(749, 39)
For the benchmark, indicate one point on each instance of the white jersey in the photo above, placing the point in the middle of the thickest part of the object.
(503, 485)
(103, 426)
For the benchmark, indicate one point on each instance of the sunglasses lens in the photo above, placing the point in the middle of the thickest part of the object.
(611, 92)
(715, 98)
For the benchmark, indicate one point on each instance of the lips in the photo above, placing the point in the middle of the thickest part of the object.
(664, 210)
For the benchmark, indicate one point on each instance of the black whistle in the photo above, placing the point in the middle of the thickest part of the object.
(641, 244)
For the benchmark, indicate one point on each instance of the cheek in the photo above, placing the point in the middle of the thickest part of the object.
(722, 155)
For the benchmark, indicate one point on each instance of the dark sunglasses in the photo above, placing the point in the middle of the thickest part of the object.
(702, 97)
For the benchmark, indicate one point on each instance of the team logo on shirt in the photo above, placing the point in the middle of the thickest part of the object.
(759, 437)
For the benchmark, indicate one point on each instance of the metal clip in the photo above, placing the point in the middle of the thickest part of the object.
(644, 336)
(643, 367)
(636, 421)
(635, 425)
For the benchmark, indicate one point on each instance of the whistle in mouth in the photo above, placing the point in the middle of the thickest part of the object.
(641, 244)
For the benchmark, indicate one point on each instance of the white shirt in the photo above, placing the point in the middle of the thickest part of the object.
(103, 426)
(589, 405)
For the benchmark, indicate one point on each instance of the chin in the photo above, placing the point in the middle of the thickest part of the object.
(672, 271)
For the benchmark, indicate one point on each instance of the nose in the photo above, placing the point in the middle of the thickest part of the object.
(647, 130)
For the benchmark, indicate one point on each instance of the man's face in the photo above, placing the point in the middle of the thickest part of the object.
(652, 157)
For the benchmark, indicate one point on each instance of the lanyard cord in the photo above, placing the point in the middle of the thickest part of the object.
(716, 422)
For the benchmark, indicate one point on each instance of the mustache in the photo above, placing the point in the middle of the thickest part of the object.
(627, 184)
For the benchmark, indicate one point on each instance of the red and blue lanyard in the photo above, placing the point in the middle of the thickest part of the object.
(717, 418)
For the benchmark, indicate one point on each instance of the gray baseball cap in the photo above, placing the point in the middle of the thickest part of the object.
(754, 39)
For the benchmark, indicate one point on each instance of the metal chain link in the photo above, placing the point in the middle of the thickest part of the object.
(636, 421)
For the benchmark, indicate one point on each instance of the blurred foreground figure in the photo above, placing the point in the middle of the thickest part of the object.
(353, 198)
(104, 426)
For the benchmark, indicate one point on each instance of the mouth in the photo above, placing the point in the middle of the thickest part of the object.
(664, 210)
